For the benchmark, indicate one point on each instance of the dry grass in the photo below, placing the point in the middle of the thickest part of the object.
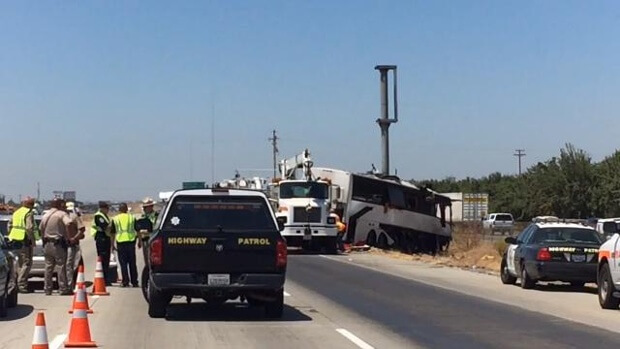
(467, 250)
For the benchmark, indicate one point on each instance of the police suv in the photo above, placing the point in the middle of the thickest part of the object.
(218, 245)
(609, 273)
(551, 250)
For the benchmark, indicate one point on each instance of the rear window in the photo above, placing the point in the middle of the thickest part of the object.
(228, 213)
(610, 228)
(566, 235)
(503, 217)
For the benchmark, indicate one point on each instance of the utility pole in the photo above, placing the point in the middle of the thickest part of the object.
(274, 144)
(519, 153)
(38, 192)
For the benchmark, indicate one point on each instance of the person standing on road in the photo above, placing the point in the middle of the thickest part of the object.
(56, 226)
(22, 228)
(145, 225)
(124, 230)
(342, 228)
(101, 232)
(74, 241)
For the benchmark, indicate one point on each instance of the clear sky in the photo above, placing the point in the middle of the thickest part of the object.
(116, 99)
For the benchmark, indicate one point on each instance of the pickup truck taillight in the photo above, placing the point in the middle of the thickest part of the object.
(543, 254)
(156, 255)
(281, 253)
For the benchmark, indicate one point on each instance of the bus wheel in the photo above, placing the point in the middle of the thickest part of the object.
(371, 239)
(382, 243)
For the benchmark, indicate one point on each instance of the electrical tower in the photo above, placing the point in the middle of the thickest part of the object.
(274, 144)
(519, 153)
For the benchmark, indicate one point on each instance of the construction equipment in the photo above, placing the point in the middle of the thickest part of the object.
(304, 205)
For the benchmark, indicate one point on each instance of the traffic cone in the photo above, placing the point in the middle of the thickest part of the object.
(80, 301)
(79, 333)
(80, 278)
(99, 287)
(39, 339)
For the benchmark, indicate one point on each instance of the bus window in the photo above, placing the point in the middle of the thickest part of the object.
(396, 197)
(368, 190)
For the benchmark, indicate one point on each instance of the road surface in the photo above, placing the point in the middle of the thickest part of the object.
(334, 302)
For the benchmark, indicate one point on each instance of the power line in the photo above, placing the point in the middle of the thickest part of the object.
(519, 153)
(274, 144)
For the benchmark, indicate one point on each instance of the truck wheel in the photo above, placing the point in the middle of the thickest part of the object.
(507, 279)
(11, 301)
(274, 310)
(606, 289)
(3, 307)
(144, 282)
(526, 280)
(158, 301)
(382, 243)
(371, 239)
(331, 246)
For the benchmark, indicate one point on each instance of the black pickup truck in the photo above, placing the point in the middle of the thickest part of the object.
(218, 245)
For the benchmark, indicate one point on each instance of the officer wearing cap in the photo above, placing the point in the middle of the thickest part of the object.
(73, 240)
(22, 229)
(145, 225)
(56, 226)
(101, 232)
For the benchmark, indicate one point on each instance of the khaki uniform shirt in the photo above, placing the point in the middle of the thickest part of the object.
(54, 224)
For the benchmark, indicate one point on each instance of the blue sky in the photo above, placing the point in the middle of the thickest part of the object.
(114, 98)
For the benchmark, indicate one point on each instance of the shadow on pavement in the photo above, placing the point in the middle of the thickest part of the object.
(19, 312)
(200, 311)
(565, 288)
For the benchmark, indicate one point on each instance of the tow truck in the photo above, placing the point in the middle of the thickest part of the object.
(304, 205)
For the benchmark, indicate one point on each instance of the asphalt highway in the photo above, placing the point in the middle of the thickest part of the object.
(329, 303)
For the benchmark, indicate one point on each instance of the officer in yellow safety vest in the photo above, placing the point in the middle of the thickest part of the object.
(125, 236)
(23, 229)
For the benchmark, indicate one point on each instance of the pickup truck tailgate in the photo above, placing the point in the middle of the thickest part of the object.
(212, 234)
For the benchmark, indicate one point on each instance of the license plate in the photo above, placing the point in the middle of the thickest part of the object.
(218, 279)
(578, 257)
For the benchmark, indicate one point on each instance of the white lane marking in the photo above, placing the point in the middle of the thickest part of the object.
(95, 297)
(58, 341)
(286, 294)
(353, 338)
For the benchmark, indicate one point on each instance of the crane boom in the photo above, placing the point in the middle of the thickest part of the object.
(289, 166)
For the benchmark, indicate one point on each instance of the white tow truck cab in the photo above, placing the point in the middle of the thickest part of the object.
(304, 206)
(608, 273)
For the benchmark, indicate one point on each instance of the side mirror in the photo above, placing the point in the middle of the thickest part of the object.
(511, 240)
(281, 221)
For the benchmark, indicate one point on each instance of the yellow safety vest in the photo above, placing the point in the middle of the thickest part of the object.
(18, 225)
(95, 228)
(124, 225)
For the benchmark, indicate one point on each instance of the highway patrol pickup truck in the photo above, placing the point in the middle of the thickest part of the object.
(218, 245)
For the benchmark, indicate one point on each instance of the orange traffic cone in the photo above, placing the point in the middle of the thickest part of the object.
(80, 301)
(80, 278)
(99, 287)
(79, 333)
(39, 339)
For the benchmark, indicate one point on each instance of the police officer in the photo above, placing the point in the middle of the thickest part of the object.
(101, 232)
(145, 225)
(124, 230)
(56, 226)
(74, 241)
(22, 228)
